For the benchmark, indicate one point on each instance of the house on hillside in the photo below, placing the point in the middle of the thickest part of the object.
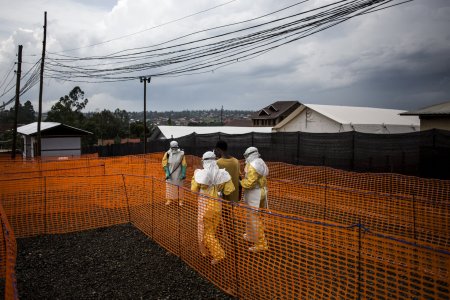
(331, 119)
(56, 139)
(274, 113)
(435, 116)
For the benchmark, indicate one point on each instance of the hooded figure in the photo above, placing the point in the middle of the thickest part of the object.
(255, 195)
(174, 165)
(211, 182)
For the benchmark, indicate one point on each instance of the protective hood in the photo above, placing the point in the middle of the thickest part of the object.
(260, 166)
(211, 174)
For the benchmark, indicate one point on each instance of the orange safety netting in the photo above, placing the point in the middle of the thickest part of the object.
(8, 255)
(328, 237)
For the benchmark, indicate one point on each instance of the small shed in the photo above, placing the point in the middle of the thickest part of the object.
(434, 116)
(317, 118)
(56, 139)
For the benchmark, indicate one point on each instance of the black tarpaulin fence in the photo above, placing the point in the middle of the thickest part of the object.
(424, 154)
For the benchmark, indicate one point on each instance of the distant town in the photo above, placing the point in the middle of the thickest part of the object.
(212, 117)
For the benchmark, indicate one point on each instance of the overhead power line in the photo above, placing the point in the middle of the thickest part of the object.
(32, 78)
(147, 29)
(210, 53)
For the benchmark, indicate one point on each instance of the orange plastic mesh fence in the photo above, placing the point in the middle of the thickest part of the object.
(405, 216)
(387, 183)
(325, 240)
(8, 255)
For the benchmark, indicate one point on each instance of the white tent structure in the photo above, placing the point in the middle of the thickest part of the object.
(169, 132)
(56, 139)
(317, 118)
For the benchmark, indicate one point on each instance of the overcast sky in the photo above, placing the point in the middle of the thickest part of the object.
(396, 58)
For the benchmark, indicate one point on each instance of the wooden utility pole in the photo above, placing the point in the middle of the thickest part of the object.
(16, 106)
(145, 80)
(41, 84)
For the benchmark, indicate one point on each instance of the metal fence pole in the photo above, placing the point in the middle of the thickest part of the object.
(236, 271)
(126, 197)
(153, 204)
(359, 259)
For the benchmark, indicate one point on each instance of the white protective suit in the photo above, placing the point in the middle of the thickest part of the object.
(255, 195)
(175, 164)
(210, 182)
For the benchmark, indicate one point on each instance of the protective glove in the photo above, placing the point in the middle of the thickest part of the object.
(183, 173)
(166, 170)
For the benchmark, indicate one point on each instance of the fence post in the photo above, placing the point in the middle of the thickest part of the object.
(45, 205)
(414, 216)
(179, 221)
(298, 147)
(325, 198)
(126, 197)
(195, 143)
(352, 163)
(403, 162)
(153, 203)
(233, 217)
(359, 258)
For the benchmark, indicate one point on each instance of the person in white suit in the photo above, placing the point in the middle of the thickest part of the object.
(254, 187)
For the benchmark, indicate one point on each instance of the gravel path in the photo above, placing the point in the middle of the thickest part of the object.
(118, 262)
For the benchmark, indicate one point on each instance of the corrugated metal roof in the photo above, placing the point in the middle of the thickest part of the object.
(32, 127)
(437, 109)
(179, 131)
(364, 115)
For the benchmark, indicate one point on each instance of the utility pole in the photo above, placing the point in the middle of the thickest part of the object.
(221, 116)
(145, 79)
(16, 106)
(41, 84)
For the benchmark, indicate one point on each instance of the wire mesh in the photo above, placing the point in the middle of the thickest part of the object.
(331, 234)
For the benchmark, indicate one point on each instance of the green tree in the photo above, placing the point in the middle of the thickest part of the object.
(68, 109)
(26, 113)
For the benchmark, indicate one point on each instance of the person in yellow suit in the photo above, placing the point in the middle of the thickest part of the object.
(211, 183)
(174, 165)
(255, 195)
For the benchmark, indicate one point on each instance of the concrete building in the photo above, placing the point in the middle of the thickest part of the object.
(331, 119)
(434, 116)
(56, 139)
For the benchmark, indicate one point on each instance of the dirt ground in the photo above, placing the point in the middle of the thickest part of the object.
(118, 262)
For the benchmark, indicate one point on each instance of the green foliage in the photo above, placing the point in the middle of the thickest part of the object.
(68, 109)
(25, 115)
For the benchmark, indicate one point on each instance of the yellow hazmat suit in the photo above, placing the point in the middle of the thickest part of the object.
(255, 195)
(210, 182)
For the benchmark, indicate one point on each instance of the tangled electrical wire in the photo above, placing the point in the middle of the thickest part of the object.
(202, 55)
(208, 54)
(32, 78)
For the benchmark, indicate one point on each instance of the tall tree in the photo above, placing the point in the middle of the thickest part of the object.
(27, 114)
(68, 109)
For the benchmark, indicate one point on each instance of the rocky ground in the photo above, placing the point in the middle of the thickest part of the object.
(118, 262)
